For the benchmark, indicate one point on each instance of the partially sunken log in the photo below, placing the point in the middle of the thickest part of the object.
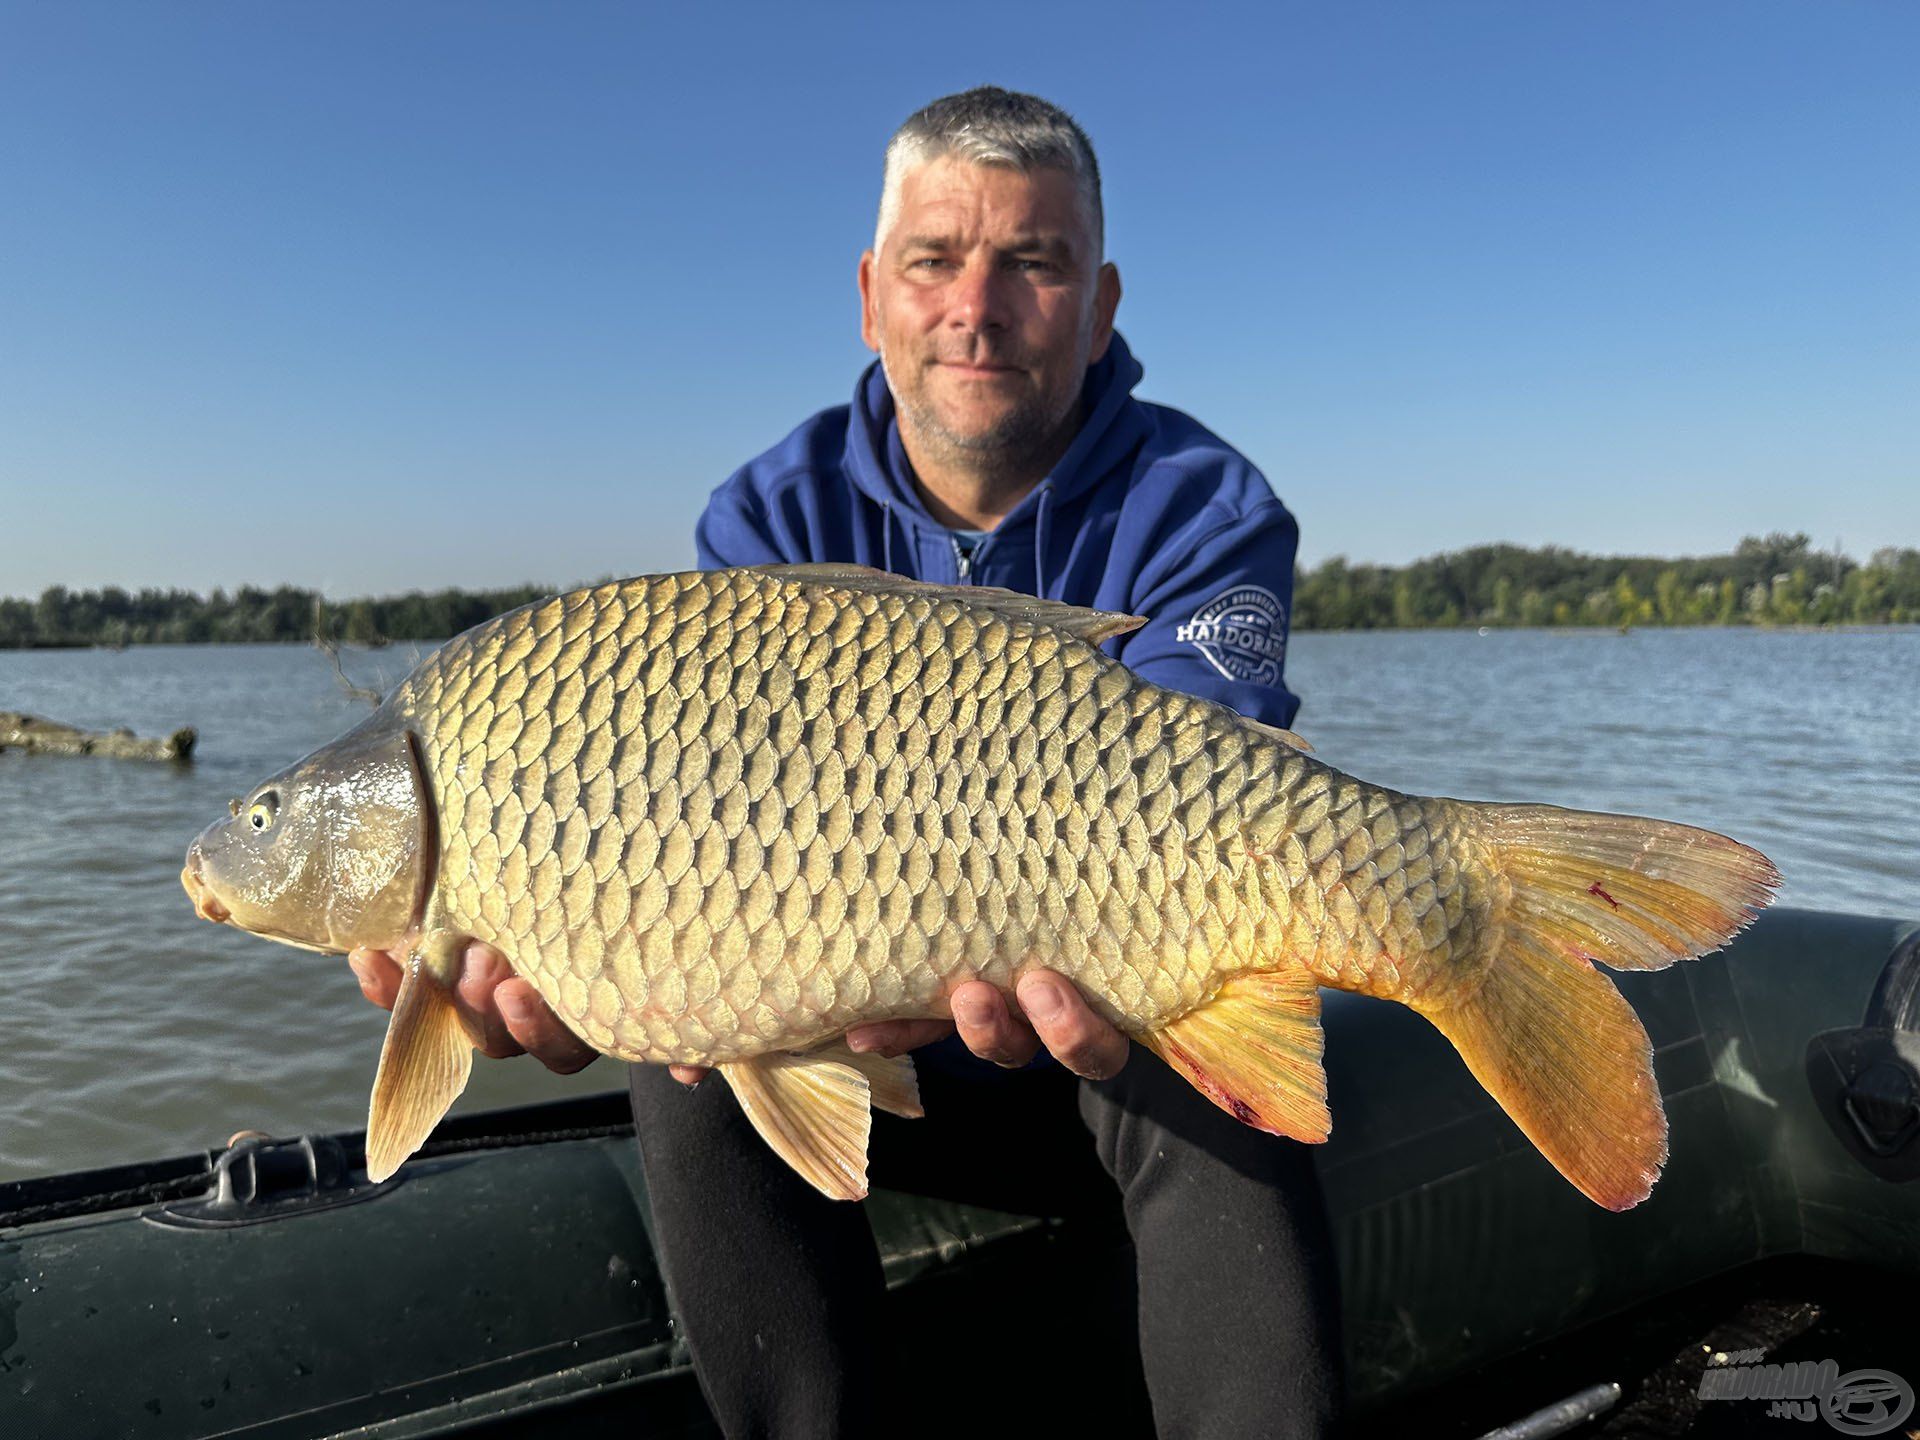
(50, 737)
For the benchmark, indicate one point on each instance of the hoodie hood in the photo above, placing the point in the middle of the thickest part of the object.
(1148, 513)
(1114, 427)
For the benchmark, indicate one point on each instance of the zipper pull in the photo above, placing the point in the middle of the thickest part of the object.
(962, 560)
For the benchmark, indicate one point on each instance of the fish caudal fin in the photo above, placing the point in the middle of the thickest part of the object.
(1630, 893)
(1254, 1050)
(1564, 1054)
(1546, 1033)
(424, 1066)
(816, 1110)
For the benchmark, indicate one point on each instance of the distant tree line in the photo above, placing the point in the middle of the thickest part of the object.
(1771, 580)
(119, 617)
(1775, 580)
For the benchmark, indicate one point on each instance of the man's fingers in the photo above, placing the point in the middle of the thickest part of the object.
(689, 1074)
(539, 1030)
(989, 1028)
(378, 974)
(1067, 1026)
(483, 970)
(896, 1037)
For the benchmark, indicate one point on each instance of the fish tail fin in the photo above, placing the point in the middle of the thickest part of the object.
(1631, 893)
(1547, 1034)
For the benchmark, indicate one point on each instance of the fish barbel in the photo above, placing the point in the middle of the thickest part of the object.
(718, 818)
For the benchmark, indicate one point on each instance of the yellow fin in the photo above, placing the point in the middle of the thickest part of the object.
(1545, 1032)
(424, 1066)
(1254, 1050)
(1092, 626)
(891, 1082)
(1564, 1054)
(1632, 893)
(814, 1112)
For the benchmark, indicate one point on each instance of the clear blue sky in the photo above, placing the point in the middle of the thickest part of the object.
(371, 296)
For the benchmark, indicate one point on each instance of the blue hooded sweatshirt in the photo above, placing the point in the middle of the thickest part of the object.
(1148, 513)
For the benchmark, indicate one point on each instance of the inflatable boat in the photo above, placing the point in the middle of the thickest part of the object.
(504, 1283)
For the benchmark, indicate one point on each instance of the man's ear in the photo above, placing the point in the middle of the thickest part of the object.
(869, 302)
(1106, 300)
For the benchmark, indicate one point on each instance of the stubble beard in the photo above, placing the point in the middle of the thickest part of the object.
(1022, 445)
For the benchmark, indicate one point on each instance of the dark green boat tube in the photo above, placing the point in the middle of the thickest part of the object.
(505, 1282)
(1458, 1243)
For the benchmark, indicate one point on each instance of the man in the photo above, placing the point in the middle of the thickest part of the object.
(997, 442)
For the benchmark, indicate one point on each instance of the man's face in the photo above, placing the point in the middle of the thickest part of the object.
(987, 304)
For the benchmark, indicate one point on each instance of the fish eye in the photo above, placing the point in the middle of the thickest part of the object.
(260, 814)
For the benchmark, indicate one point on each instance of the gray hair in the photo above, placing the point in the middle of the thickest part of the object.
(991, 126)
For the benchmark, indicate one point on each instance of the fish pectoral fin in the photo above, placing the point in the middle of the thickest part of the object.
(892, 1083)
(1254, 1050)
(816, 1113)
(424, 1066)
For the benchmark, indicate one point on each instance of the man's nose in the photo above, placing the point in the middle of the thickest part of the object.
(979, 298)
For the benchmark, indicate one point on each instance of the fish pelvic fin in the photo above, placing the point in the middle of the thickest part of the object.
(424, 1064)
(1254, 1050)
(891, 1082)
(1546, 1033)
(815, 1112)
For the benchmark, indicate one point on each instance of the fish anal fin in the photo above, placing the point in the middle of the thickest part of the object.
(1092, 626)
(424, 1065)
(1554, 1042)
(816, 1114)
(1254, 1050)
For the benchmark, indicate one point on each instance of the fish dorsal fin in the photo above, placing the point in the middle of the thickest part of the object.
(1092, 626)
(1254, 1050)
(814, 1112)
(1274, 732)
(424, 1063)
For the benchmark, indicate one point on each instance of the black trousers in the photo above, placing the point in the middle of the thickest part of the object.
(779, 1289)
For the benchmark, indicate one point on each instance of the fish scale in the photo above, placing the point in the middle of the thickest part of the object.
(773, 890)
(721, 818)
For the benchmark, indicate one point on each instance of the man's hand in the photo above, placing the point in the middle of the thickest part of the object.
(1056, 1015)
(498, 1006)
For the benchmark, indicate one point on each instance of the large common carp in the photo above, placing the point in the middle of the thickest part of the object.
(719, 818)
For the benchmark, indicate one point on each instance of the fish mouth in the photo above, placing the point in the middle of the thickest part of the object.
(205, 904)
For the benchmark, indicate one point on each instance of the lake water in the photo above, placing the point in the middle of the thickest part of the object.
(133, 1030)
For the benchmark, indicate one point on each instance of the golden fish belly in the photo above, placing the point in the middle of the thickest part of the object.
(718, 814)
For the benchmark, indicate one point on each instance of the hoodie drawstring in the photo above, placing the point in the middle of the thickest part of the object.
(886, 537)
(1040, 541)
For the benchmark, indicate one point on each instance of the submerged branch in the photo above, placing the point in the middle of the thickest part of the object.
(328, 646)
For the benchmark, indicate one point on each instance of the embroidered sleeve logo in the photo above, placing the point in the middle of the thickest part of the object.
(1242, 632)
